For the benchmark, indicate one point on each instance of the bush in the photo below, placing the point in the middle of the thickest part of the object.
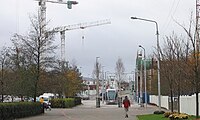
(177, 116)
(167, 114)
(19, 110)
(63, 103)
(159, 112)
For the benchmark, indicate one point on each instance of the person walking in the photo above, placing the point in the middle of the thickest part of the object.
(42, 104)
(126, 103)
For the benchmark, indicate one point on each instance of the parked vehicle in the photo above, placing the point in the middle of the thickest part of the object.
(85, 97)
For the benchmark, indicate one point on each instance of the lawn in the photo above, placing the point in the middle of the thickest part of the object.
(156, 117)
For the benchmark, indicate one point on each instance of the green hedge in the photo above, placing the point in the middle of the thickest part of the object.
(65, 102)
(19, 110)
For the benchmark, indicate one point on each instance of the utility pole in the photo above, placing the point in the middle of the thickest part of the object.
(141, 83)
(145, 76)
(102, 88)
(97, 83)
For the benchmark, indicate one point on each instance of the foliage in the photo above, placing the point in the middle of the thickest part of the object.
(65, 102)
(167, 114)
(156, 117)
(177, 116)
(152, 117)
(159, 112)
(29, 68)
(19, 110)
(66, 81)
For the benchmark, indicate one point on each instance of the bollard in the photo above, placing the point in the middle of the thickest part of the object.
(97, 102)
(119, 102)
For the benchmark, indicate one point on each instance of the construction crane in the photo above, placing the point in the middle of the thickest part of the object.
(42, 12)
(197, 23)
(62, 30)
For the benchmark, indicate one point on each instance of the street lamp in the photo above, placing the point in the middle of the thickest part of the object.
(158, 57)
(141, 83)
(97, 83)
(88, 86)
(145, 76)
(102, 88)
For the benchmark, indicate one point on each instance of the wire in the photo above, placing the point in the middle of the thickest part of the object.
(169, 14)
(17, 16)
(172, 15)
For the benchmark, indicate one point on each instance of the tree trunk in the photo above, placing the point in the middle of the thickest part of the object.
(197, 105)
(172, 106)
(179, 90)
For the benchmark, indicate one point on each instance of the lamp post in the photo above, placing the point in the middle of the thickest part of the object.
(97, 83)
(145, 76)
(158, 57)
(102, 88)
(141, 84)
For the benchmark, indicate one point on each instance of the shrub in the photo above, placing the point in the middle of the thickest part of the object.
(167, 114)
(159, 112)
(63, 103)
(19, 110)
(177, 116)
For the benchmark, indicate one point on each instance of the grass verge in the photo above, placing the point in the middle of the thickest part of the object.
(156, 117)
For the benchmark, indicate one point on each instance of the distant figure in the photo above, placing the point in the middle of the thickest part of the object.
(127, 104)
(42, 104)
(41, 100)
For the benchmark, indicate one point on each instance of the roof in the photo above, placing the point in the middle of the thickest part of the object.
(88, 79)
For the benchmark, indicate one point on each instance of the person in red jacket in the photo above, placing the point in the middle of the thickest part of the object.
(127, 104)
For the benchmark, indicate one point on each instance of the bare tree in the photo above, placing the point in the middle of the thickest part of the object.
(96, 73)
(119, 71)
(174, 56)
(38, 49)
(193, 36)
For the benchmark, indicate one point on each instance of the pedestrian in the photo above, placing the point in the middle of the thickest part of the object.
(42, 104)
(127, 104)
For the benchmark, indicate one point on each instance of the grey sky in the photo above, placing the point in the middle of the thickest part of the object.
(118, 39)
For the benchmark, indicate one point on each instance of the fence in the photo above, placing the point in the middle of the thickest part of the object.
(187, 103)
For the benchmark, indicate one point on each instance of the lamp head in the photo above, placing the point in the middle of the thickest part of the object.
(134, 18)
(140, 45)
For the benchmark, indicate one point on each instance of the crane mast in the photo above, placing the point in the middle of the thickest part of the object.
(42, 17)
(62, 30)
(42, 12)
(197, 24)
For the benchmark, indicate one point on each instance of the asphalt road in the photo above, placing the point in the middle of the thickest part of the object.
(88, 111)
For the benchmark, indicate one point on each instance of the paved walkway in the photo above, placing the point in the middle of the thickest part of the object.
(88, 111)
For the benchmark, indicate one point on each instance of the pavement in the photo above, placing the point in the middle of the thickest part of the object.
(88, 111)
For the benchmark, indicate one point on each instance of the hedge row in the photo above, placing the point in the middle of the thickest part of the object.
(65, 102)
(19, 110)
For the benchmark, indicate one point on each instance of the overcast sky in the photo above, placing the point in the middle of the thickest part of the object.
(109, 42)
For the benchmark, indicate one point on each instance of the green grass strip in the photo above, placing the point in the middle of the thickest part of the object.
(156, 117)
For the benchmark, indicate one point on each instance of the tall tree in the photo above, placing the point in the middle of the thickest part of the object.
(5, 62)
(119, 71)
(39, 48)
(174, 56)
(194, 61)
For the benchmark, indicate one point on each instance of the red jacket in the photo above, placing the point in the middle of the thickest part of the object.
(126, 103)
